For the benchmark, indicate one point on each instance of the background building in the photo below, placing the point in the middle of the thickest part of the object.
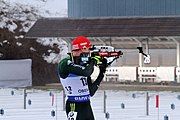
(104, 8)
(126, 25)
(160, 55)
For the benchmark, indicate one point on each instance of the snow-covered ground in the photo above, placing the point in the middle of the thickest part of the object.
(42, 105)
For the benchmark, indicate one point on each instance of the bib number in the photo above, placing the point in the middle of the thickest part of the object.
(84, 81)
(69, 89)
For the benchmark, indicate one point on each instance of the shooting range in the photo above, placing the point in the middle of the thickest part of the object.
(148, 35)
(160, 44)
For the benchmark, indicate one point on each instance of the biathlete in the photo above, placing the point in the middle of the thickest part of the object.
(74, 73)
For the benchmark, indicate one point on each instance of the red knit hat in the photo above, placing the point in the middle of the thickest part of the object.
(80, 42)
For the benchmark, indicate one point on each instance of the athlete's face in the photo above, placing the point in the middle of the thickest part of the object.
(77, 53)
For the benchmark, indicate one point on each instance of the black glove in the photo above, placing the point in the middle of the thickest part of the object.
(103, 66)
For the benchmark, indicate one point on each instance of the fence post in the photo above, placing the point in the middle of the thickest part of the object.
(147, 103)
(25, 95)
(105, 97)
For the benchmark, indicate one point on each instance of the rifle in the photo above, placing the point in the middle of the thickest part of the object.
(106, 52)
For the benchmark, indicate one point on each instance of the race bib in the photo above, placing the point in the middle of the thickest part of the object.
(72, 115)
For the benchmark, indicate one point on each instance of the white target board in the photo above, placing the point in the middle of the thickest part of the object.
(15, 73)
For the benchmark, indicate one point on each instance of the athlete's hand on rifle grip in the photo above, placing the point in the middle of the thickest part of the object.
(97, 58)
(103, 66)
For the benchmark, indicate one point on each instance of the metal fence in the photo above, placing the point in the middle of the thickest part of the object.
(20, 104)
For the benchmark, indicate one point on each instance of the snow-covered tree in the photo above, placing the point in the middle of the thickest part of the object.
(15, 20)
(17, 16)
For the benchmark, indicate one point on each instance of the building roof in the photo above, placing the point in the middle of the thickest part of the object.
(158, 28)
(106, 27)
